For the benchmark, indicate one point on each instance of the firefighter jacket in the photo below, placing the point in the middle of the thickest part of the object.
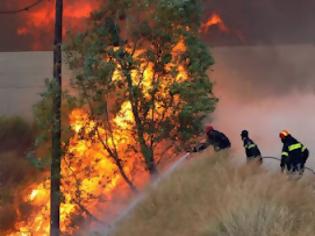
(251, 148)
(218, 140)
(293, 152)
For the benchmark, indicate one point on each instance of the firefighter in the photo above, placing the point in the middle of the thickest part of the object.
(217, 139)
(294, 154)
(251, 149)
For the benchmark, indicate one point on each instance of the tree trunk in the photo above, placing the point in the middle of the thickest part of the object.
(125, 177)
(113, 153)
(117, 161)
(55, 195)
(146, 151)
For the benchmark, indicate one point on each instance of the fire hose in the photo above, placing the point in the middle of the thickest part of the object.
(268, 157)
(278, 159)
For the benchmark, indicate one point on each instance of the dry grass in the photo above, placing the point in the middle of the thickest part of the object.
(210, 196)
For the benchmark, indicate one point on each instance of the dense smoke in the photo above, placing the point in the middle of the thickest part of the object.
(265, 22)
(251, 22)
(265, 71)
(265, 90)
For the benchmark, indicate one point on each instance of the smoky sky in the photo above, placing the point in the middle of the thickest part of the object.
(263, 71)
(33, 29)
(265, 21)
(251, 22)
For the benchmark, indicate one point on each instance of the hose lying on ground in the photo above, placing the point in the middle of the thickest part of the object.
(197, 149)
(278, 159)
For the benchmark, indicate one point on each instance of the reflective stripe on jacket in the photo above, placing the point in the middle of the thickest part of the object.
(251, 148)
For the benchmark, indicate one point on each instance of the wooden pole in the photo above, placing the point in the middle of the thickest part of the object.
(55, 195)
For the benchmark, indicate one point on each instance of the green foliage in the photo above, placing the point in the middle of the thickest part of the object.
(183, 12)
(40, 155)
(124, 41)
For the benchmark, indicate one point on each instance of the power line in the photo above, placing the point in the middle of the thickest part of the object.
(26, 8)
(21, 87)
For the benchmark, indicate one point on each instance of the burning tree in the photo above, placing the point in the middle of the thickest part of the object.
(141, 92)
(143, 63)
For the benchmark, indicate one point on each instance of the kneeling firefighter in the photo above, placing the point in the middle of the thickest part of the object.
(251, 149)
(217, 139)
(294, 154)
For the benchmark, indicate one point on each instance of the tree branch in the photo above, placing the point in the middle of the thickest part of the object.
(112, 154)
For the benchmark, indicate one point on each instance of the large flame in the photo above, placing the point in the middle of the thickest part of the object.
(38, 21)
(90, 178)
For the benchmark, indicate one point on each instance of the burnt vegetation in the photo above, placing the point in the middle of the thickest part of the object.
(16, 138)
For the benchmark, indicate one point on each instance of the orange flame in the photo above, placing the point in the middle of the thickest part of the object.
(90, 178)
(39, 21)
(215, 19)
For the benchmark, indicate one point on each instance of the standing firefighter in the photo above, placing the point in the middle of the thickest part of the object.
(217, 139)
(251, 148)
(294, 154)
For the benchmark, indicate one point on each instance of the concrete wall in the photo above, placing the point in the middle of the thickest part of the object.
(22, 79)
(248, 74)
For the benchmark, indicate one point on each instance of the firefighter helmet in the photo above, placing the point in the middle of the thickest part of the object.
(208, 128)
(244, 133)
(283, 134)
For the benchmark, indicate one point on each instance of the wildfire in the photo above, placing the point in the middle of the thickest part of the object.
(39, 21)
(90, 178)
(215, 19)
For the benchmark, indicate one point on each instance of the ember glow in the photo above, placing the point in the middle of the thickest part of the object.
(39, 21)
(214, 20)
(22, 31)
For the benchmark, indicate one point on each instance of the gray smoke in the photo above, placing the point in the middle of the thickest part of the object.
(265, 89)
(265, 22)
(254, 73)
(259, 22)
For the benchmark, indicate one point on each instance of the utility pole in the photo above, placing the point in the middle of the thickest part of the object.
(55, 194)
